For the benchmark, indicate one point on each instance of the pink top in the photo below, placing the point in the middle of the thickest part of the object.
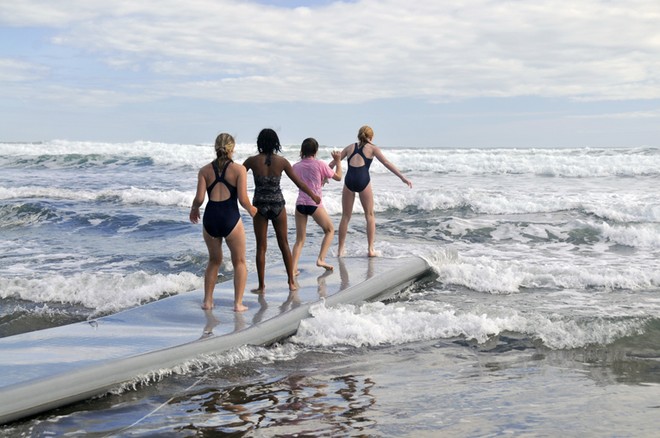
(312, 172)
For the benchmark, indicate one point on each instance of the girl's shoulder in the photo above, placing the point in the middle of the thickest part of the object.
(370, 148)
(206, 169)
(235, 167)
(279, 161)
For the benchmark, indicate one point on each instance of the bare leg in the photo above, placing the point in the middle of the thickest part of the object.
(211, 275)
(301, 231)
(321, 217)
(281, 230)
(261, 236)
(347, 200)
(367, 200)
(236, 243)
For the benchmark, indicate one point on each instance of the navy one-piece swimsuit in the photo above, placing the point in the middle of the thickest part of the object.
(220, 217)
(357, 178)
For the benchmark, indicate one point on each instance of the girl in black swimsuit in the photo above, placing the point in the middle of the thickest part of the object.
(221, 218)
(267, 168)
(360, 155)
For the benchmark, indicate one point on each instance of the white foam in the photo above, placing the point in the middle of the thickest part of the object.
(376, 324)
(571, 163)
(210, 362)
(94, 290)
(516, 269)
(131, 195)
(638, 235)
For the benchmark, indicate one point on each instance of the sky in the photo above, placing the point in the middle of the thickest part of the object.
(472, 73)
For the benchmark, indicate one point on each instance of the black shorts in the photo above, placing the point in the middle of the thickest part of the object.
(307, 210)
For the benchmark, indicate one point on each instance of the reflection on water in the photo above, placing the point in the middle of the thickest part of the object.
(322, 287)
(239, 321)
(338, 406)
(211, 322)
(263, 306)
(343, 271)
(291, 302)
(343, 274)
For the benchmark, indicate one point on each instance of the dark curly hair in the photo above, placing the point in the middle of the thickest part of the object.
(268, 143)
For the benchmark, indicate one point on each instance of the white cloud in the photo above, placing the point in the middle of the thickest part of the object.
(353, 52)
(13, 70)
(651, 114)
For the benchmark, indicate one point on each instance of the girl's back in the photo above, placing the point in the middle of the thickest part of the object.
(257, 164)
(220, 191)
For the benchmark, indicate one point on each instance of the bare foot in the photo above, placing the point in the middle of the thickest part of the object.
(240, 308)
(340, 252)
(259, 290)
(207, 306)
(293, 286)
(374, 253)
(321, 264)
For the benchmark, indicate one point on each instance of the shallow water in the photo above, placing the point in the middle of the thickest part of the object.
(542, 316)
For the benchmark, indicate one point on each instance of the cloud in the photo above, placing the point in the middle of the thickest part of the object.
(13, 70)
(630, 115)
(365, 50)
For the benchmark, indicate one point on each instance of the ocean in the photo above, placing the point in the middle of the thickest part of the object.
(541, 318)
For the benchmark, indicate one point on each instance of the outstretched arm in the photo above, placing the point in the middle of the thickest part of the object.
(298, 182)
(391, 167)
(198, 200)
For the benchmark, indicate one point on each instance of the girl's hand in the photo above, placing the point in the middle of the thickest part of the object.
(194, 215)
(406, 181)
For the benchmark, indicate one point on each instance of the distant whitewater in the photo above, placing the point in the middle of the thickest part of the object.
(550, 250)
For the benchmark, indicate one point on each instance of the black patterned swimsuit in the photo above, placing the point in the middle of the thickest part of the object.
(268, 196)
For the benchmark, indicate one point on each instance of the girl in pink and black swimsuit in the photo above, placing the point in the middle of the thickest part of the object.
(314, 173)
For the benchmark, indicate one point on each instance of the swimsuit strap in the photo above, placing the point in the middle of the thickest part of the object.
(358, 150)
(219, 177)
(355, 151)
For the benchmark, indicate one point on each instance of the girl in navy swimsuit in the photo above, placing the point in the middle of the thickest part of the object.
(267, 168)
(225, 182)
(360, 155)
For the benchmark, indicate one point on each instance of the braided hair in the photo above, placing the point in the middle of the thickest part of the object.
(224, 146)
(365, 134)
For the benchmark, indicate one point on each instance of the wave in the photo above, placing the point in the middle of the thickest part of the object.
(621, 209)
(93, 290)
(376, 324)
(568, 163)
(76, 154)
(131, 195)
(513, 273)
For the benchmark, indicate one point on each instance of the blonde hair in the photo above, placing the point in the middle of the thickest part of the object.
(365, 134)
(224, 146)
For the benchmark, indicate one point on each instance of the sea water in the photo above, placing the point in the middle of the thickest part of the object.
(541, 318)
